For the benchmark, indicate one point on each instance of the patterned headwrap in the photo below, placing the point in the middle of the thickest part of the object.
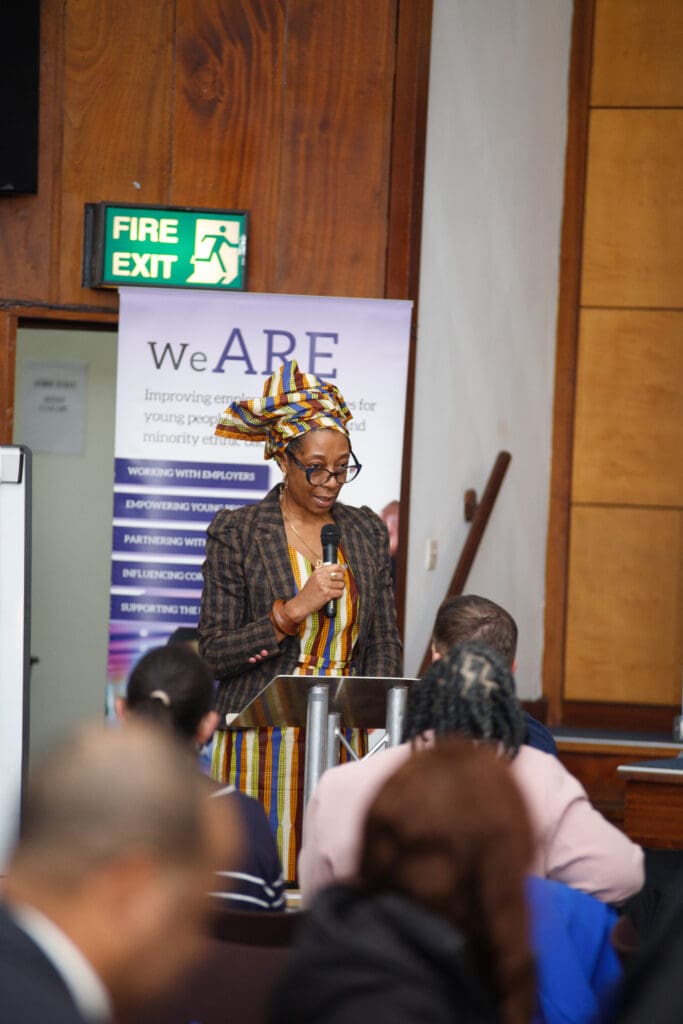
(293, 403)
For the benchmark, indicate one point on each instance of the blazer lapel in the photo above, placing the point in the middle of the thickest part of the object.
(362, 559)
(271, 540)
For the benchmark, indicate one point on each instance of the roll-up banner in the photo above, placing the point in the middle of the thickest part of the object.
(182, 358)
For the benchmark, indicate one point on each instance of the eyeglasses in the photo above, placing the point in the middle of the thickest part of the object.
(316, 475)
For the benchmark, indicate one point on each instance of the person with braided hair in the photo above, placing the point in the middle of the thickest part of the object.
(471, 692)
(484, 705)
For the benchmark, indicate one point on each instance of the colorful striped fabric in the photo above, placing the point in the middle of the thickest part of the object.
(327, 644)
(293, 403)
(269, 763)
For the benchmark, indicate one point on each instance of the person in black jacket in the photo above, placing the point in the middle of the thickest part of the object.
(103, 899)
(435, 927)
(652, 989)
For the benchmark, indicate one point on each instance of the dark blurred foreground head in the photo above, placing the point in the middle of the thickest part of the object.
(117, 848)
(449, 831)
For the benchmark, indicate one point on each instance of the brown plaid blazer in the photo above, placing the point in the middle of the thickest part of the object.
(247, 567)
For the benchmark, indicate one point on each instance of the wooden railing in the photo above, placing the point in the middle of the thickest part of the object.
(478, 513)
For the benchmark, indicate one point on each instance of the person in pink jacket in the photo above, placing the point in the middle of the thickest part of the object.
(471, 692)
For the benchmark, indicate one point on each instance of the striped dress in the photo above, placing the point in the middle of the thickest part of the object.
(269, 763)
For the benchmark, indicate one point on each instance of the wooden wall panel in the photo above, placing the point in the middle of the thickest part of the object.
(283, 107)
(614, 636)
(409, 131)
(117, 112)
(629, 408)
(566, 353)
(334, 186)
(26, 237)
(638, 53)
(311, 114)
(8, 351)
(228, 117)
(633, 230)
(625, 606)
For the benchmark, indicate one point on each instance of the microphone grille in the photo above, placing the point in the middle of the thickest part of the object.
(330, 534)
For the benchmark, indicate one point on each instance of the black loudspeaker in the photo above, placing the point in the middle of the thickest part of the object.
(19, 85)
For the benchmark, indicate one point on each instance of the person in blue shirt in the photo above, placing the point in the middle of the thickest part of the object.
(469, 617)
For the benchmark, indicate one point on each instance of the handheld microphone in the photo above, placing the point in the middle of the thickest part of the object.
(329, 538)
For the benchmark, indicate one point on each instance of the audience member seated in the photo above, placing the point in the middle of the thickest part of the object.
(652, 990)
(471, 692)
(173, 686)
(434, 927)
(445, 843)
(104, 899)
(469, 617)
(578, 970)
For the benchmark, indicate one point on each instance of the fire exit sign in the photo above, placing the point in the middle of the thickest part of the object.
(167, 246)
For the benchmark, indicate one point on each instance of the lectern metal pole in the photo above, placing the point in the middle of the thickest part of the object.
(316, 738)
(397, 698)
(333, 728)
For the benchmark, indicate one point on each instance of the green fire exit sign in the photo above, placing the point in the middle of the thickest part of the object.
(167, 246)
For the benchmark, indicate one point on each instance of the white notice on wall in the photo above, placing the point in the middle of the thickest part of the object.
(53, 407)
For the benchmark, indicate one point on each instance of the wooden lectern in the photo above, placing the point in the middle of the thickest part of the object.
(324, 706)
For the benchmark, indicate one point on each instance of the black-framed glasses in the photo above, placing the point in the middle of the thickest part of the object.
(316, 475)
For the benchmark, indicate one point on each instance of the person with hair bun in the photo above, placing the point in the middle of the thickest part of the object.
(174, 687)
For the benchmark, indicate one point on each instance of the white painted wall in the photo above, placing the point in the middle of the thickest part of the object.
(71, 543)
(488, 304)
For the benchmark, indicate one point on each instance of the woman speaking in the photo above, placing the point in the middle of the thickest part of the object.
(268, 590)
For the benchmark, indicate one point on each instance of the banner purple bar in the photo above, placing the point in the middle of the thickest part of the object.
(141, 540)
(169, 506)
(156, 575)
(191, 474)
(156, 609)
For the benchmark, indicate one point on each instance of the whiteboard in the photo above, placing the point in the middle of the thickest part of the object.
(15, 566)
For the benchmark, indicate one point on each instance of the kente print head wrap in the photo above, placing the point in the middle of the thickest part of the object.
(293, 403)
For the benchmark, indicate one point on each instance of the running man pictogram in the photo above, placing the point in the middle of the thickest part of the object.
(216, 255)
